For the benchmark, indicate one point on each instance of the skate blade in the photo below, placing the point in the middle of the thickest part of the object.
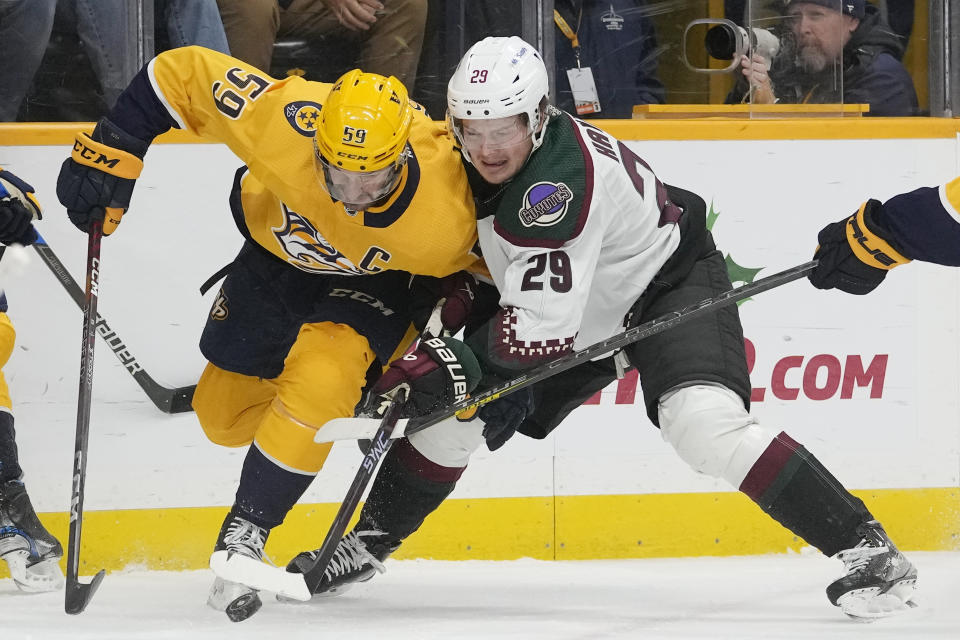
(868, 605)
(40, 577)
(258, 575)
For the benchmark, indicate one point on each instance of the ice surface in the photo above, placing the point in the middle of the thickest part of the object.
(776, 596)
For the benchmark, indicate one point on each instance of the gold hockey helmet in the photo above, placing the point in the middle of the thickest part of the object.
(361, 140)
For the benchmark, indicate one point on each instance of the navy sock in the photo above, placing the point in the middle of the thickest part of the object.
(267, 491)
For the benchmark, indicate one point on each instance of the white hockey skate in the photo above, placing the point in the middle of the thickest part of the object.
(879, 580)
(238, 563)
(241, 538)
(31, 553)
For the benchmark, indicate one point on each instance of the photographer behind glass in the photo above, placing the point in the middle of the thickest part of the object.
(819, 40)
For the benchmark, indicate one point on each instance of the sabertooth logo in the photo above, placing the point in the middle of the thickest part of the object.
(739, 276)
(303, 116)
(308, 250)
(545, 204)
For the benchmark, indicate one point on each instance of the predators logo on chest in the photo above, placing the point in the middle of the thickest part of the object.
(309, 251)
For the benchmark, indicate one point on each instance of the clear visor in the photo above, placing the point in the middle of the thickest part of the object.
(498, 133)
(359, 189)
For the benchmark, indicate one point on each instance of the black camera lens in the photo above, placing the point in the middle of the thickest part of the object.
(721, 42)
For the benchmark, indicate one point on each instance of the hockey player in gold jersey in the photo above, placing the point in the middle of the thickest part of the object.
(32, 554)
(856, 253)
(348, 190)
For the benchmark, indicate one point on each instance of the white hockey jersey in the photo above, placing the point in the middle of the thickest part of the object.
(574, 239)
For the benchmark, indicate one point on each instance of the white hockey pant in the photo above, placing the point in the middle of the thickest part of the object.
(706, 424)
(449, 443)
(711, 430)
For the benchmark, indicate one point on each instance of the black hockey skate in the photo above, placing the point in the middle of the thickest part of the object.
(32, 554)
(879, 580)
(358, 557)
(241, 537)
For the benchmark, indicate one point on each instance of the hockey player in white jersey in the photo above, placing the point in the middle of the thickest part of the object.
(581, 240)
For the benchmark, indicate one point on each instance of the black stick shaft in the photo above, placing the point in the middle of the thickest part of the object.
(77, 595)
(381, 440)
(379, 446)
(175, 400)
(655, 326)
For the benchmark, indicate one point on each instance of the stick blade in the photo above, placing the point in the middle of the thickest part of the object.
(258, 575)
(181, 400)
(78, 595)
(355, 429)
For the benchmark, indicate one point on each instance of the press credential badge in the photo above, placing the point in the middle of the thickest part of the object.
(584, 90)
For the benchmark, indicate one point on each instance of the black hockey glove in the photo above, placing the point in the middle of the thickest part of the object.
(503, 416)
(97, 180)
(442, 305)
(18, 209)
(439, 372)
(855, 254)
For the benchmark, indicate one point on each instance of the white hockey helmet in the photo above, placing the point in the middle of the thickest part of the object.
(497, 78)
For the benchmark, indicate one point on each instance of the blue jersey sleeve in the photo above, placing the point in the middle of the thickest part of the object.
(139, 111)
(925, 224)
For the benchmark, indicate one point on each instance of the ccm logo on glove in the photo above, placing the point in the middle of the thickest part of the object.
(92, 157)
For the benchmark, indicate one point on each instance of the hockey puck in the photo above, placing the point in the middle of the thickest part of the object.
(244, 607)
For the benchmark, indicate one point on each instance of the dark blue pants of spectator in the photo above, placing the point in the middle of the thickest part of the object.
(187, 22)
(24, 34)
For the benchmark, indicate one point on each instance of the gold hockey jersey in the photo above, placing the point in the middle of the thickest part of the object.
(428, 225)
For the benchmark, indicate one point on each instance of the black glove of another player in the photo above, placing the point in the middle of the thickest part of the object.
(439, 372)
(503, 416)
(18, 209)
(96, 181)
(855, 254)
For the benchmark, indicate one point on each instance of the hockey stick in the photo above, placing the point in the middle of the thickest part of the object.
(379, 446)
(259, 576)
(389, 427)
(358, 428)
(175, 400)
(77, 594)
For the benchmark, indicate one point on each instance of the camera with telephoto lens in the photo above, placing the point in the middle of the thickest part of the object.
(728, 41)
